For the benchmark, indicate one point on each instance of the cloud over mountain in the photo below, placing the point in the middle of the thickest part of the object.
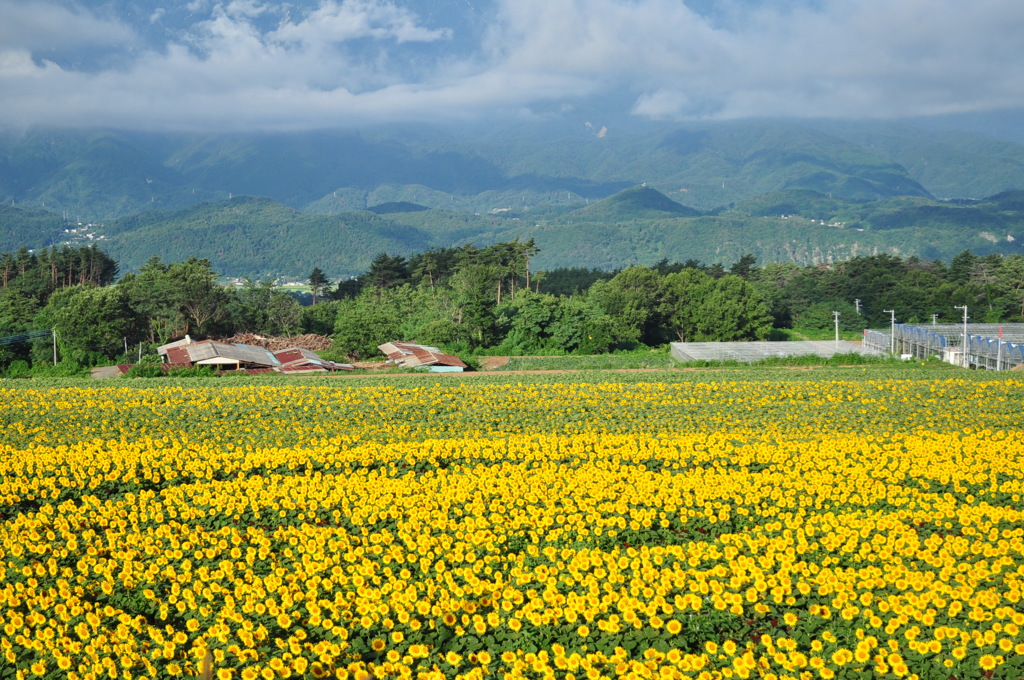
(247, 64)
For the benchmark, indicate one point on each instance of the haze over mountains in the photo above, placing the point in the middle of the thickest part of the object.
(365, 125)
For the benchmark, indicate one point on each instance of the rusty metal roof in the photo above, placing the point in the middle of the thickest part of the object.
(295, 359)
(211, 352)
(187, 340)
(410, 355)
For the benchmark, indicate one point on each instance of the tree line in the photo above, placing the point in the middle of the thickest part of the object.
(98, 319)
(469, 299)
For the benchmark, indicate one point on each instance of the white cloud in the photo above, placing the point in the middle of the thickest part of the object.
(335, 22)
(47, 26)
(359, 60)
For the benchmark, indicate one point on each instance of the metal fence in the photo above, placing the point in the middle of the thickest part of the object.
(990, 346)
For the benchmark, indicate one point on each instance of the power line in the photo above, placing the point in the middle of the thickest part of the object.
(24, 337)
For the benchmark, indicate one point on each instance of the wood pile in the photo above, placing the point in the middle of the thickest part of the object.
(315, 343)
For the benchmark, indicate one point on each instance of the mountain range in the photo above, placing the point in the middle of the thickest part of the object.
(592, 193)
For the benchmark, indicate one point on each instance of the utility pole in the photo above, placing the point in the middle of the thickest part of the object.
(934, 317)
(856, 303)
(892, 329)
(835, 315)
(964, 348)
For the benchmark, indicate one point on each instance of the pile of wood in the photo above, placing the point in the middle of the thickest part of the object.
(315, 343)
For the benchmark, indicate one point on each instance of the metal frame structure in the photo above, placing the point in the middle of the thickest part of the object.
(995, 347)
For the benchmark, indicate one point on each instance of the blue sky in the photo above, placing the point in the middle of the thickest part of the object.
(246, 64)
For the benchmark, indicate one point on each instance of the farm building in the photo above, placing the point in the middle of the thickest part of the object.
(299, 360)
(411, 355)
(234, 356)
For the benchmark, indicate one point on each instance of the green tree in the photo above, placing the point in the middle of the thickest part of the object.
(580, 327)
(152, 295)
(745, 267)
(733, 309)
(473, 301)
(961, 267)
(631, 299)
(364, 323)
(819, 316)
(317, 282)
(16, 313)
(319, 319)
(93, 323)
(386, 272)
(201, 301)
(530, 318)
(681, 301)
(261, 308)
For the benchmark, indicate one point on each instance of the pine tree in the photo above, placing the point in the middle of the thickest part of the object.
(317, 281)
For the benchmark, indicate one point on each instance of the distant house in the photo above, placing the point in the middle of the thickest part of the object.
(411, 355)
(234, 356)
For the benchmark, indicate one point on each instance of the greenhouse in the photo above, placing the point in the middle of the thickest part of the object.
(686, 352)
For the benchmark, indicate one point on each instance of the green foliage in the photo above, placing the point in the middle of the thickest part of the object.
(647, 359)
(92, 323)
(469, 300)
(193, 372)
(362, 324)
(319, 318)
(262, 239)
(640, 202)
(630, 299)
(819, 316)
(68, 368)
(19, 368)
(260, 307)
(145, 371)
(732, 309)
(318, 281)
(28, 227)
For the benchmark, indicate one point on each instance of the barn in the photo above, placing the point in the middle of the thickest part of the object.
(411, 355)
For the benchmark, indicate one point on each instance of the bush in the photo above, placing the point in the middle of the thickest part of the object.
(69, 368)
(18, 368)
(193, 372)
(145, 371)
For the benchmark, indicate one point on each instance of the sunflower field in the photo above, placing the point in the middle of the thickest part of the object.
(833, 524)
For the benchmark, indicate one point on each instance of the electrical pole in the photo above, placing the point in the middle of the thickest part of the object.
(856, 303)
(836, 316)
(964, 348)
(892, 329)
(934, 317)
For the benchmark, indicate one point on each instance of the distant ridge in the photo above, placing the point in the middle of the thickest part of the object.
(260, 237)
(99, 175)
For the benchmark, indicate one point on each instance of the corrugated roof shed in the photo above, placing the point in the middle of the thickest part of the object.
(162, 349)
(298, 359)
(211, 352)
(411, 355)
(239, 356)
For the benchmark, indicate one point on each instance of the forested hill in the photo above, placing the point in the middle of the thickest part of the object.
(807, 192)
(98, 175)
(260, 238)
